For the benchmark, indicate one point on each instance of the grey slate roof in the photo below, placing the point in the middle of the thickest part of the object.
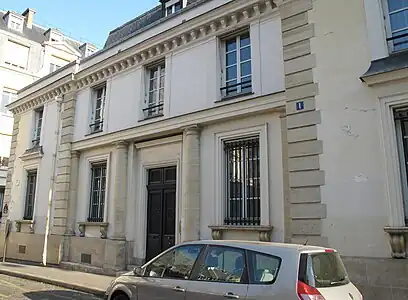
(139, 23)
(393, 62)
(35, 34)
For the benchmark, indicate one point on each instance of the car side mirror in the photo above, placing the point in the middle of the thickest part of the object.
(138, 271)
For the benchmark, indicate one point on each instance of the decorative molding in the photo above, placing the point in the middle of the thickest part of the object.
(397, 241)
(33, 153)
(30, 224)
(103, 228)
(242, 16)
(264, 232)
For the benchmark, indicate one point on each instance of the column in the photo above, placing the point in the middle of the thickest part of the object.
(72, 201)
(119, 184)
(190, 196)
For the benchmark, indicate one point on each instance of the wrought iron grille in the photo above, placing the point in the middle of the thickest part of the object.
(30, 195)
(97, 193)
(243, 182)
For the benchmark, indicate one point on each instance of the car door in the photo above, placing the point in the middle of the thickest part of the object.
(166, 277)
(221, 273)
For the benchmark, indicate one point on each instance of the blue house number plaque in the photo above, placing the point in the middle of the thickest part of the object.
(300, 105)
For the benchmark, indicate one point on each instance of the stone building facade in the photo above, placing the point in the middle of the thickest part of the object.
(211, 119)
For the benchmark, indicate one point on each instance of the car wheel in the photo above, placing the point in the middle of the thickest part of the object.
(120, 296)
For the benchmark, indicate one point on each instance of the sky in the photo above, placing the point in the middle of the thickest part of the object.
(84, 20)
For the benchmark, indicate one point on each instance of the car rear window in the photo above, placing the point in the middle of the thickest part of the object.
(322, 269)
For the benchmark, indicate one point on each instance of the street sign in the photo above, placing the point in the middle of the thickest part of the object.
(300, 105)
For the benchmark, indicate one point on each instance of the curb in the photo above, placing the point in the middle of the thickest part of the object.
(72, 286)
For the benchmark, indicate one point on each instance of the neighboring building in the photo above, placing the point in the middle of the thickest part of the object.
(268, 120)
(27, 53)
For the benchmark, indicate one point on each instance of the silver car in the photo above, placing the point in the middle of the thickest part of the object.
(214, 270)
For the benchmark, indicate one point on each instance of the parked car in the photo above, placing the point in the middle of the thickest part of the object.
(214, 270)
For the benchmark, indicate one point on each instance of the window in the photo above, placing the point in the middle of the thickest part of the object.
(237, 74)
(263, 267)
(7, 98)
(155, 86)
(54, 67)
(173, 7)
(30, 195)
(17, 55)
(38, 118)
(223, 264)
(97, 193)
(16, 25)
(397, 16)
(176, 264)
(98, 106)
(1, 201)
(242, 182)
(4, 161)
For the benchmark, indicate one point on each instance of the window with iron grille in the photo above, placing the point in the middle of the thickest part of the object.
(38, 115)
(98, 106)
(237, 73)
(155, 91)
(396, 14)
(97, 193)
(242, 182)
(30, 195)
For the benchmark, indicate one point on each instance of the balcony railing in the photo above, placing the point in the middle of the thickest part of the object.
(96, 127)
(236, 89)
(153, 111)
(402, 44)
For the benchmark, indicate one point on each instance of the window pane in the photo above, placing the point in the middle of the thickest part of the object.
(233, 88)
(222, 264)
(264, 267)
(246, 84)
(169, 10)
(5, 99)
(231, 44)
(231, 58)
(231, 73)
(245, 53)
(245, 40)
(400, 43)
(245, 68)
(176, 264)
(152, 97)
(177, 7)
(161, 95)
(397, 4)
(399, 20)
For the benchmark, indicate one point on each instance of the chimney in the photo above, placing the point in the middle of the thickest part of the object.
(28, 14)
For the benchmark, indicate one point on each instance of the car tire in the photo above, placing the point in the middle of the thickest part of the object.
(120, 297)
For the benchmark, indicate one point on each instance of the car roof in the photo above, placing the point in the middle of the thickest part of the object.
(260, 246)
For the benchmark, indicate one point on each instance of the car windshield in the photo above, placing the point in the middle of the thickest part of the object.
(323, 270)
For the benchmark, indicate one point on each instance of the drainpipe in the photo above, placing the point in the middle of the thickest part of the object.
(52, 182)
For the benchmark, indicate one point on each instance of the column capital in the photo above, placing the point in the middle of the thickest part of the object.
(192, 129)
(75, 153)
(121, 144)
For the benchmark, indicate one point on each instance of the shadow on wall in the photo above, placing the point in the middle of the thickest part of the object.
(57, 294)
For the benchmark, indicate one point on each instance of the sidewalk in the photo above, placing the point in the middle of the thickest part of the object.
(84, 282)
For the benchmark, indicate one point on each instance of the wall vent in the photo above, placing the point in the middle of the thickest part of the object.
(22, 249)
(86, 258)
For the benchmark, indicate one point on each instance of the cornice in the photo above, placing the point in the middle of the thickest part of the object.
(153, 49)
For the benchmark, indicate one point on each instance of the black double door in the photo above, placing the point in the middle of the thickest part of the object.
(161, 210)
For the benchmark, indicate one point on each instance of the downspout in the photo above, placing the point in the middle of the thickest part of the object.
(52, 182)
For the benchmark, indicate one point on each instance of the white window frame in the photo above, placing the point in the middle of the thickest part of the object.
(12, 96)
(157, 110)
(220, 172)
(38, 125)
(172, 4)
(388, 29)
(223, 43)
(94, 99)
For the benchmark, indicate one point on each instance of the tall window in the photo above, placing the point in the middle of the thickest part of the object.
(1, 200)
(7, 98)
(17, 55)
(242, 182)
(54, 67)
(173, 7)
(397, 15)
(30, 195)
(98, 105)
(401, 125)
(155, 87)
(38, 119)
(97, 194)
(237, 74)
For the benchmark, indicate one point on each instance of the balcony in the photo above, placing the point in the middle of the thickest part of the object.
(153, 111)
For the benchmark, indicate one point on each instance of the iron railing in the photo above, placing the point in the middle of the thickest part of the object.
(233, 89)
(153, 111)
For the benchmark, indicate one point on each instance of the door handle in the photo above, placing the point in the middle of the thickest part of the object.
(179, 289)
(231, 296)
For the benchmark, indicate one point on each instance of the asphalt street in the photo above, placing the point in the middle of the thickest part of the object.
(16, 288)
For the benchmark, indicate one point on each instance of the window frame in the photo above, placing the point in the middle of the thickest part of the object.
(157, 108)
(172, 5)
(30, 173)
(38, 125)
(11, 95)
(98, 164)
(388, 30)
(223, 68)
(244, 217)
(250, 256)
(13, 64)
(202, 252)
(96, 126)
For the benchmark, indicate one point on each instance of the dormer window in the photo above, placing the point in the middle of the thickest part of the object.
(53, 35)
(14, 21)
(173, 6)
